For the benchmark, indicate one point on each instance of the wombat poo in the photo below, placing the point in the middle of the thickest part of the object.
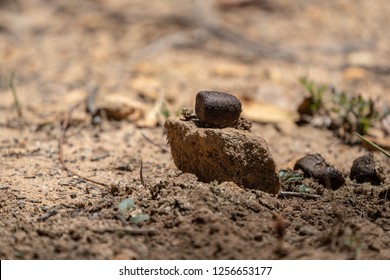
(222, 154)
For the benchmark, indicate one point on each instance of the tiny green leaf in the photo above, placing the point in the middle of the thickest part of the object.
(125, 205)
(140, 218)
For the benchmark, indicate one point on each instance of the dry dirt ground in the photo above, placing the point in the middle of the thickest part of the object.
(147, 55)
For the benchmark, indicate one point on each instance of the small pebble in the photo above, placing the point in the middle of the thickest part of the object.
(367, 168)
(305, 230)
(315, 166)
(217, 109)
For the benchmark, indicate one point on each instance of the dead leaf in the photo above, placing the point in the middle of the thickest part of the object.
(266, 113)
(121, 106)
(362, 58)
(153, 117)
(354, 73)
(147, 86)
(230, 70)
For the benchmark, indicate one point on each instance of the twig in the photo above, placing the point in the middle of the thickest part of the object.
(16, 99)
(298, 194)
(138, 231)
(90, 104)
(34, 200)
(90, 101)
(47, 215)
(386, 194)
(141, 176)
(69, 206)
(4, 187)
(163, 149)
(61, 140)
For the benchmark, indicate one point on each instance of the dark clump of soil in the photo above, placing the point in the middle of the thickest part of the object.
(316, 167)
(367, 168)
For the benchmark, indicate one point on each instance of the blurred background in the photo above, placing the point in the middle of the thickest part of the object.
(146, 50)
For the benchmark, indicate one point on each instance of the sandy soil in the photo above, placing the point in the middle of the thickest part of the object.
(145, 55)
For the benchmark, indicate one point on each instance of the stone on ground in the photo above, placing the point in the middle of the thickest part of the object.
(227, 154)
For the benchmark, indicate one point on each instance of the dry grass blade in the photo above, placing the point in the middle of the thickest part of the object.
(374, 145)
(90, 104)
(141, 175)
(18, 107)
(297, 194)
(134, 231)
(61, 139)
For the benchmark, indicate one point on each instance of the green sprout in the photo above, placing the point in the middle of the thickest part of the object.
(354, 113)
(292, 180)
(316, 93)
(126, 207)
(347, 114)
(165, 111)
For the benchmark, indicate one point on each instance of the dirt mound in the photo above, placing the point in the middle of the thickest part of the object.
(223, 155)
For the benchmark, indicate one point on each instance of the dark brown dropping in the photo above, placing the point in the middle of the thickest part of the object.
(367, 169)
(316, 167)
(217, 109)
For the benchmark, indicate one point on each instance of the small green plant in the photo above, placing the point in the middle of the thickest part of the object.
(139, 218)
(125, 205)
(127, 208)
(353, 244)
(165, 111)
(316, 93)
(293, 181)
(338, 110)
(353, 113)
